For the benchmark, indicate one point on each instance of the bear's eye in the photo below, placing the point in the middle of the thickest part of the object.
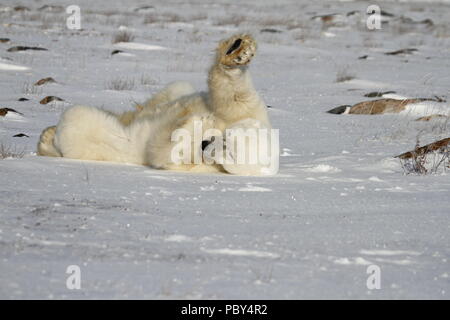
(235, 45)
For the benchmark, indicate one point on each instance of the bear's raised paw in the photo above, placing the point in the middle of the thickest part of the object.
(237, 50)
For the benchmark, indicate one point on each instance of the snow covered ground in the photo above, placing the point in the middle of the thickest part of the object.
(339, 203)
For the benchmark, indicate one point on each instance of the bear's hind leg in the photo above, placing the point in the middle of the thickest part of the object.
(171, 92)
(89, 133)
(158, 103)
(46, 146)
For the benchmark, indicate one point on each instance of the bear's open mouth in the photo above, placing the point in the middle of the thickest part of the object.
(235, 46)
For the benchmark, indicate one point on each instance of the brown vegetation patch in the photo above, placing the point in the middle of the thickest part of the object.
(439, 145)
(432, 117)
(44, 81)
(49, 99)
(380, 106)
(376, 94)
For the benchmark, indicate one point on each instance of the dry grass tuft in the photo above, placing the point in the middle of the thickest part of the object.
(429, 159)
(121, 84)
(123, 36)
(10, 152)
(233, 20)
(29, 88)
(146, 80)
(344, 74)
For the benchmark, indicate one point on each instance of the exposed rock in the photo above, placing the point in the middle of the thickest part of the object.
(116, 52)
(380, 106)
(340, 109)
(4, 40)
(20, 135)
(49, 99)
(4, 111)
(21, 8)
(271, 30)
(325, 18)
(401, 51)
(44, 81)
(377, 94)
(329, 19)
(144, 9)
(24, 48)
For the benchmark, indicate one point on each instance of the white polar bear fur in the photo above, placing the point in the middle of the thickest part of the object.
(143, 136)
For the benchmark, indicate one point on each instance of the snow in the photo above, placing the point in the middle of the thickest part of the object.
(138, 46)
(355, 261)
(249, 253)
(388, 252)
(322, 168)
(250, 188)
(12, 67)
(339, 203)
(425, 108)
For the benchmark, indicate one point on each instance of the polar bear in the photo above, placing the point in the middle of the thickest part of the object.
(145, 135)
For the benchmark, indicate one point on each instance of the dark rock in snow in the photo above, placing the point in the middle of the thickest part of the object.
(20, 135)
(24, 48)
(21, 8)
(44, 81)
(271, 30)
(4, 111)
(340, 109)
(377, 94)
(401, 51)
(144, 9)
